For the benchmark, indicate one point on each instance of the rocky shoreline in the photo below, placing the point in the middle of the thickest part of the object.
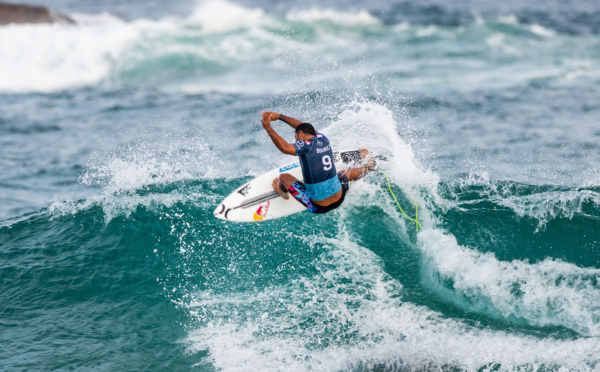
(18, 13)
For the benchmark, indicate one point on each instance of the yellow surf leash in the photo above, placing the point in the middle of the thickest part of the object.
(416, 219)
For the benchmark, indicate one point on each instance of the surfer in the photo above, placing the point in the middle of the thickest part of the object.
(323, 189)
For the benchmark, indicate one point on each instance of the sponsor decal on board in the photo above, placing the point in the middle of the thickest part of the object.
(288, 167)
(262, 211)
(244, 190)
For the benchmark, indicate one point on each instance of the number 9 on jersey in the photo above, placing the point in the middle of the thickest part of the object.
(327, 162)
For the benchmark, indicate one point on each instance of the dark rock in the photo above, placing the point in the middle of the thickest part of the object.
(17, 13)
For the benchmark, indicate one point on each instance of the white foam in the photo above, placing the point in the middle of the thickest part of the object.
(401, 27)
(544, 206)
(125, 203)
(550, 205)
(217, 17)
(120, 176)
(479, 20)
(131, 174)
(100, 19)
(349, 316)
(541, 31)
(551, 292)
(356, 18)
(510, 19)
(593, 179)
(45, 58)
(427, 31)
(498, 42)
(373, 126)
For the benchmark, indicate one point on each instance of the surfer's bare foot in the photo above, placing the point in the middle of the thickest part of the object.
(367, 158)
(277, 188)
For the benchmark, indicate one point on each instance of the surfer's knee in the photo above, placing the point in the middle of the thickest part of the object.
(280, 188)
(287, 179)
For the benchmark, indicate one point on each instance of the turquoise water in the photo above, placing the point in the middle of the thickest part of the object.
(165, 286)
(120, 136)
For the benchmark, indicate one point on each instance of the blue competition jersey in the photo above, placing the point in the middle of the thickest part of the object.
(318, 170)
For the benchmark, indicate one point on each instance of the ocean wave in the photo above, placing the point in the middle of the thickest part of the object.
(549, 292)
(349, 312)
(125, 204)
(319, 292)
(227, 47)
(548, 206)
(351, 315)
(356, 18)
(327, 302)
(144, 175)
(60, 57)
(541, 203)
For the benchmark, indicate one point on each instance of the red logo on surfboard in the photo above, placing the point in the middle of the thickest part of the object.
(262, 211)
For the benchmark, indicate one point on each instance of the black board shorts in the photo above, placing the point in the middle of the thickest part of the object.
(298, 191)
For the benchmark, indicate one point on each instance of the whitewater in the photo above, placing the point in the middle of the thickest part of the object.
(120, 135)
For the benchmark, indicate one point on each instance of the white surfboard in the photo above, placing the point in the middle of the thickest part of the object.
(257, 201)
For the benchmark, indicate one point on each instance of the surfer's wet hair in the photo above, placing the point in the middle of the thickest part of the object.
(306, 128)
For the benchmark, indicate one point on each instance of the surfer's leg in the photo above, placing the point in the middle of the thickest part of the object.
(355, 174)
(278, 187)
(298, 190)
(282, 183)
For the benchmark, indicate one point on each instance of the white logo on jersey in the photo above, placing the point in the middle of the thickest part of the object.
(324, 149)
(300, 143)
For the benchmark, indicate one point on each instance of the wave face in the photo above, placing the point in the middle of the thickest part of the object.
(118, 137)
(503, 276)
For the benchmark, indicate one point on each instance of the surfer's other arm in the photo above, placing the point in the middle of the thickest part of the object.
(278, 141)
(286, 119)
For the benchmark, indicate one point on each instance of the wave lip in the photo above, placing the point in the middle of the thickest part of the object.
(58, 57)
(541, 203)
(356, 18)
(550, 292)
(219, 17)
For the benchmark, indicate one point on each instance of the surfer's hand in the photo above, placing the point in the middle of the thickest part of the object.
(266, 119)
(273, 116)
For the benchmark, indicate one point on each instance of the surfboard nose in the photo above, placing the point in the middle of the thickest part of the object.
(219, 211)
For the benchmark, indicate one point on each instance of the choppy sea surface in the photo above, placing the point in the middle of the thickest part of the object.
(119, 136)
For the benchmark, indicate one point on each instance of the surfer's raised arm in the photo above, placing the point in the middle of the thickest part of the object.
(286, 119)
(278, 141)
